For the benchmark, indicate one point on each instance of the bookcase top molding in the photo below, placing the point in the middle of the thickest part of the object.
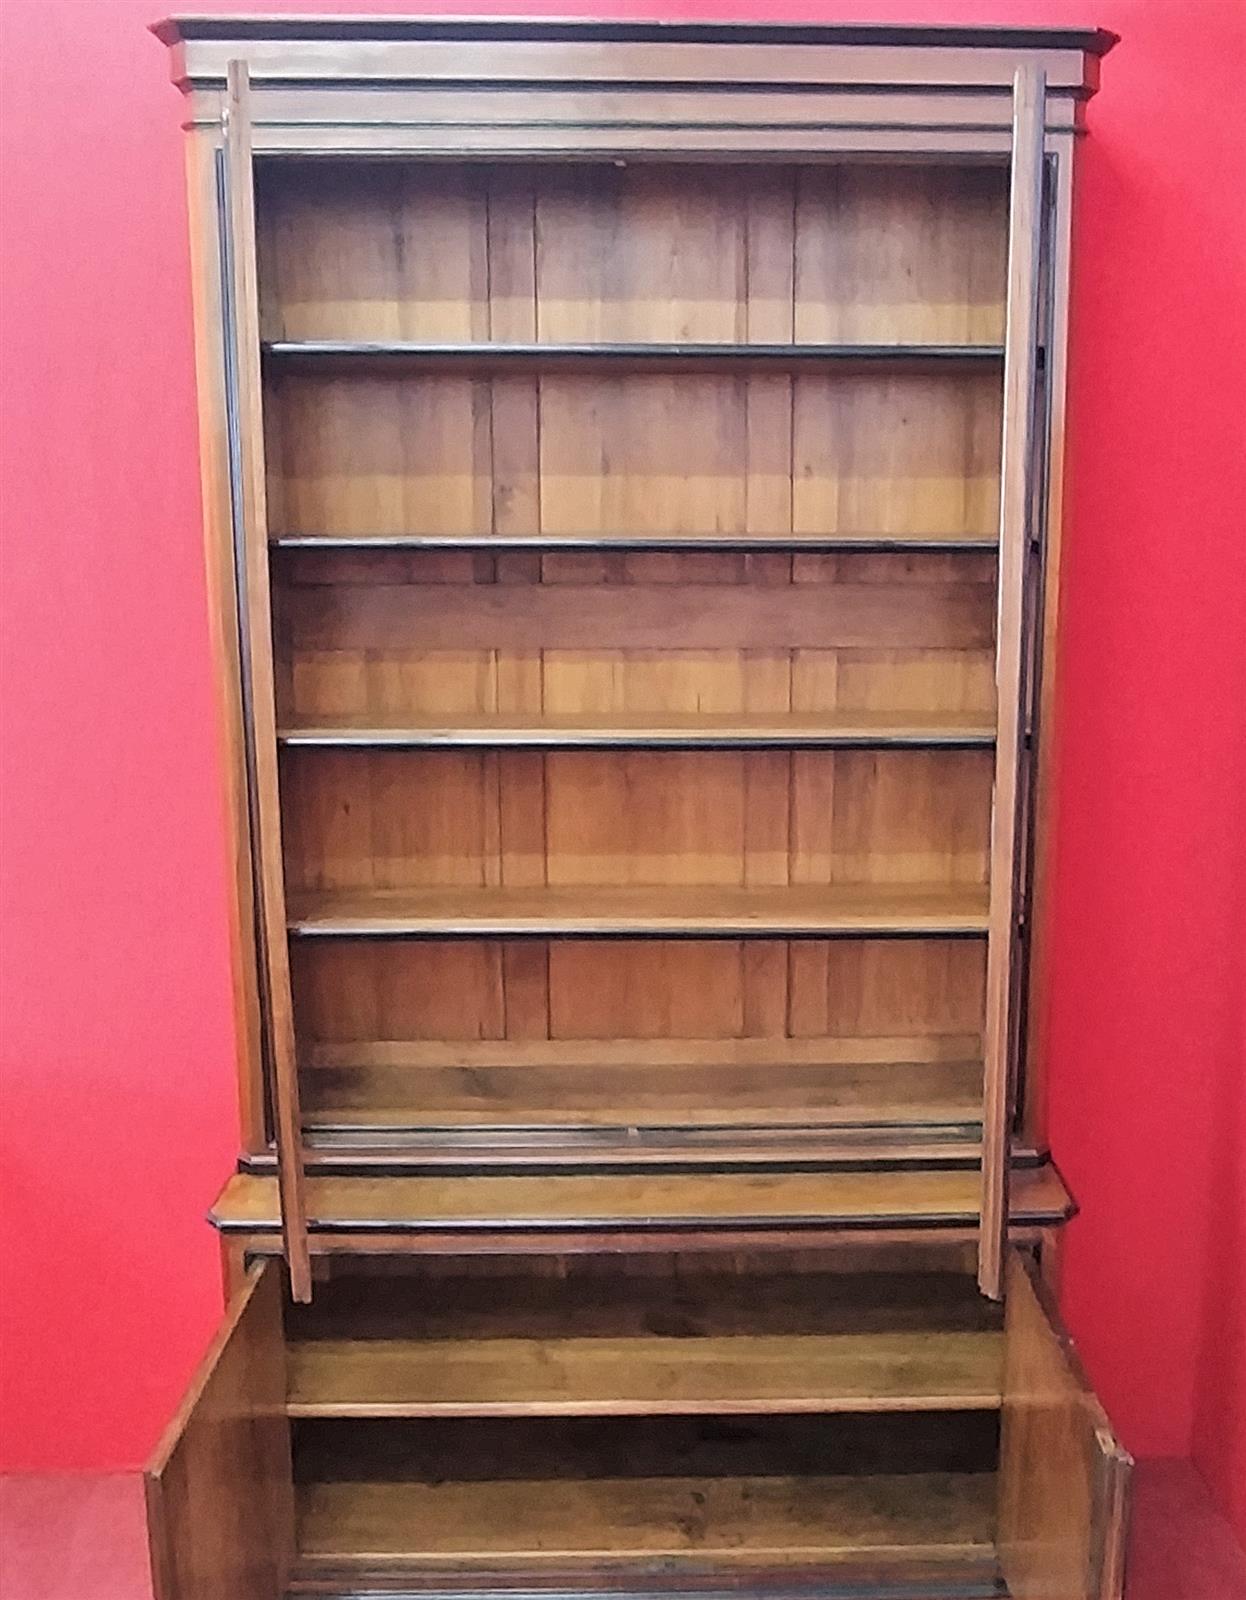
(328, 27)
(510, 50)
(491, 86)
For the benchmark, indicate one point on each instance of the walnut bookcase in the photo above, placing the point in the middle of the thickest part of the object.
(632, 458)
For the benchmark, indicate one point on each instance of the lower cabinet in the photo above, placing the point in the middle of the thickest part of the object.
(697, 1426)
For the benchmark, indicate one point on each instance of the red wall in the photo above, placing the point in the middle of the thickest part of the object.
(118, 1111)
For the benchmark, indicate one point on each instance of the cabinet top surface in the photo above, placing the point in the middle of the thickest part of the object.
(330, 28)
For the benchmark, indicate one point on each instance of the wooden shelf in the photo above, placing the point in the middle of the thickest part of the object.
(344, 353)
(730, 1521)
(819, 912)
(928, 1370)
(554, 1207)
(843, 730)
(811, 543)
(709, 1088)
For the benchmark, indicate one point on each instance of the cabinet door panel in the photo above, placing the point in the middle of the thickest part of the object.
(220, 1512)
(1064, 1478)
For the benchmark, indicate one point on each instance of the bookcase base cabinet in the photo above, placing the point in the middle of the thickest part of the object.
(828, 1426)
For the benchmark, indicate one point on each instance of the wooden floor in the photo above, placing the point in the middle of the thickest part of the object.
(83, 1538)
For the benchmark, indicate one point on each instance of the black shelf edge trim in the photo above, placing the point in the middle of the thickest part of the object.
(316, 350)
(403, 739)
(501, 929)
(728, 542)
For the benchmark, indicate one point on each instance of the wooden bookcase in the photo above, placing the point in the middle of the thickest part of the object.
(632, 458)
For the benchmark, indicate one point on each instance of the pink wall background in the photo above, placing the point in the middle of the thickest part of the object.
(118, 1111)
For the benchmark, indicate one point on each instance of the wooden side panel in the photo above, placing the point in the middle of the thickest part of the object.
(219, 1489)
(259, 674)
(1019, 463)
(223, 613)
(1063, 1477)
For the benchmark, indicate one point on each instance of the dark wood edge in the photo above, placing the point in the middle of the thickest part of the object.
(234, 1311)
(727, 542)
(553, 354)
(1050, 1309)
(1116, 1506)
(249, 1243)
(331, 28)
(329, 1579)
(387, 1164)
(554, 929)
(503, 1236)
(400, 740)
(381, 1160)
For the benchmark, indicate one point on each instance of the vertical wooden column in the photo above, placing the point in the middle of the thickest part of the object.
(246, 411)
(1016, 501)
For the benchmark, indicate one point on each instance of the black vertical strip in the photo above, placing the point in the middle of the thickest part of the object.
(1035, 614)
(233, 423)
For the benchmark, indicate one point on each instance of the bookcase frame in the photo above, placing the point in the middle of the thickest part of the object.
(708, 1305)
(272, 90)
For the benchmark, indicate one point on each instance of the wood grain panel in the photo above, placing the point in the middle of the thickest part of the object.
(398, 819)
(362, 643)
(899, 452)
(219, 1487)
(641, 253)
(381, 455)
(647, 616)
(772, 1521)
(894, 452)
(1063, 1480)
(883, 253)
(853, 1290)
(640, 1082)
(741, 1375)
(359, 991)
(381, 250)
(901, 254)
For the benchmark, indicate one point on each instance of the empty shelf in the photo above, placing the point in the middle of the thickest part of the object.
(771, 1521)
(806, 911)
(741, 1373)
(560, 539)
(641, 1204)
(663, 731)
(779, 1083)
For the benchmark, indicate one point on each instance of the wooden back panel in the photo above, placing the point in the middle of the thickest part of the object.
(621, 253)
(467, 253)
(393, 634)
(849, 452)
